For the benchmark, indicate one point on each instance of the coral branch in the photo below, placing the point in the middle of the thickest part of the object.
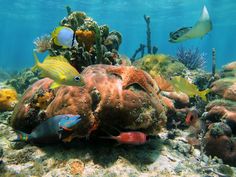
(149, 47)
(140, 49)
(213, 61)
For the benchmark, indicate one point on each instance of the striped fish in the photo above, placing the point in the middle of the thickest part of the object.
(60, 70)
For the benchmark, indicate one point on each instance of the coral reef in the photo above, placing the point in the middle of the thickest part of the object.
(150, 49)
(96, 44)
(225, 87)
(222, 110)
(4, 75)
(220, 116)
(162, 156)
(8, 99)
(43, 43)
(160, 64)
(191, 58)
(220, 143)
(22, 80)
(85, 37)
(116, 96)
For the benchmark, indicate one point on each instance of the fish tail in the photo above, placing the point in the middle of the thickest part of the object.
(21, 136)
(36, 59)
(107, 137)
(203, 93)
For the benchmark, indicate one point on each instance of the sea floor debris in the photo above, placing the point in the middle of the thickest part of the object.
(160, 157)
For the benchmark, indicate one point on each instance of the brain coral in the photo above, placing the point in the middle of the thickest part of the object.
(116, 96)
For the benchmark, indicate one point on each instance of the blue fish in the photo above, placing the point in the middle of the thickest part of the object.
(52, 130)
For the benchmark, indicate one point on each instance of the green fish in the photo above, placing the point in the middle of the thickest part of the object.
(60, 70)
(183, 85)
(200, 29)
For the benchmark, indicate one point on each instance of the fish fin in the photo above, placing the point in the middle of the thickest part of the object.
(67, 139)
(21, 136)
(66, 129)
(36, 59)
(42, 74)
(204, 15)
(54, 85)
(203, 93)
(106, 137)
(62, 77)
(56, 58)
(163, 84)
(55, 34)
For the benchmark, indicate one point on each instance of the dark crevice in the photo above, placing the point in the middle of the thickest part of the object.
(96, 98)
(135, 87)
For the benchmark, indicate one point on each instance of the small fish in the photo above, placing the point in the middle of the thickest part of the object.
(191, 117)
(60, 70)
(200, 29)
(50, 131)
(132, 138)
(64, 36)
(183, 85)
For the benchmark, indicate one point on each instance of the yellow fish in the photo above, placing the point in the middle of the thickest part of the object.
(60, 70)
(183, 85)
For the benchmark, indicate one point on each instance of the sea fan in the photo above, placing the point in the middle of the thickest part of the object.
(43, 43)
(191, 58)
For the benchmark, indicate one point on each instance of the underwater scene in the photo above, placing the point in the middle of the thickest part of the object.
(118, 88)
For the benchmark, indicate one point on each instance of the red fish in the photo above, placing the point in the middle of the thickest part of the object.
(133, 138)
(191, 117)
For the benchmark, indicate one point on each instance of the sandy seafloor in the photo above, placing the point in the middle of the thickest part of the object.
(161, 156)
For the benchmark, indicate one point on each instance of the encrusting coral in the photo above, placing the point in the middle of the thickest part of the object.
(160, 64)
(220, 116)
(8, 99)
(109, 98)
(219, 142)
(225, 87)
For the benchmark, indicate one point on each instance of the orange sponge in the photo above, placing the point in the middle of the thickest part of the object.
(8, 99)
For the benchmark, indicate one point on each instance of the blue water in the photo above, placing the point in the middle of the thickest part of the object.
(22, 21)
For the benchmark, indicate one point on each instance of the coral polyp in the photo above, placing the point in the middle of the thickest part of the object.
(43, 43)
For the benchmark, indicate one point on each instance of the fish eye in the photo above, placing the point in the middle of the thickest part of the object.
(77, 78)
